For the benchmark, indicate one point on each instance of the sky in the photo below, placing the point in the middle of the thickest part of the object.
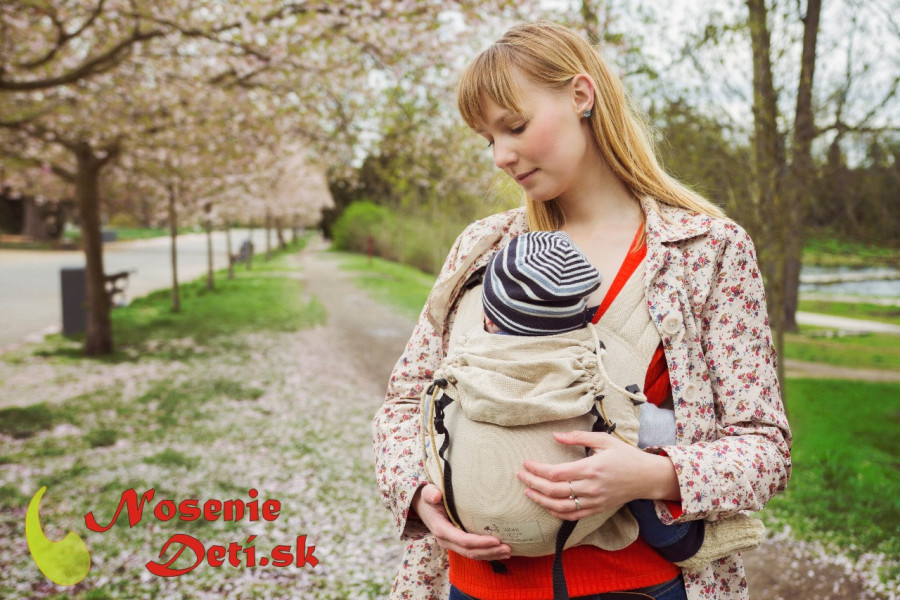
(718, 78)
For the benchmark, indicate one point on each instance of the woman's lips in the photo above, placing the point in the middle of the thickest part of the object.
(525, 176)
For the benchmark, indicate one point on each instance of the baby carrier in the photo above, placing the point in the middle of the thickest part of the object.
(497, 399)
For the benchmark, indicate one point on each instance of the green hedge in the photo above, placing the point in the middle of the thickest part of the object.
(408, 239)
(361, 221)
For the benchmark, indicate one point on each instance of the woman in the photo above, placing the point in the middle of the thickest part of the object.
(560, 124)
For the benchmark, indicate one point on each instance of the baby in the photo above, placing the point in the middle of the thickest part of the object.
(538, 285)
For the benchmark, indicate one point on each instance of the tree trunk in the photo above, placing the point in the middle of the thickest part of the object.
(98, 337)
(210, 276)
(249, 262)
(768, 226)
(282, 244)
(229, 250)
(32, 220)
(268, 235)
(173, 236)
(147, 217)
(591, 21)
(802, 167)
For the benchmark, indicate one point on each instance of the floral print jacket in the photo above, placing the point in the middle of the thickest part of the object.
(705, 294)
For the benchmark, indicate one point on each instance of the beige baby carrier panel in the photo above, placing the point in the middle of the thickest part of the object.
(497, 399)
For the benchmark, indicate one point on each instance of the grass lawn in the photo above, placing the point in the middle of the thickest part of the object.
(255, 300)
(845, 486)
(132, 233)
(402, 287)
(831, 252)
(867, 351)
(143, 233)
(853, 310)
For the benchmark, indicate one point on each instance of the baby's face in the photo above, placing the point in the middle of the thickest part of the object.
(489, 326)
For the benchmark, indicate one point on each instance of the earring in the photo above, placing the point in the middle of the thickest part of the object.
(587, 114)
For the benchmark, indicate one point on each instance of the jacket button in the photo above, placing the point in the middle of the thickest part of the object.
(690, 392)
(672, 324)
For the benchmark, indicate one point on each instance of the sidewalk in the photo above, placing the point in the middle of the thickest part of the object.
(846, 324)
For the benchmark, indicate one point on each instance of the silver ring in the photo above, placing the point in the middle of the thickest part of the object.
(571, 491)
(577, 503)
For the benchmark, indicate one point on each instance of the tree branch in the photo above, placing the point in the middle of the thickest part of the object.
(93, 66)
(63, 37)
(61, 172)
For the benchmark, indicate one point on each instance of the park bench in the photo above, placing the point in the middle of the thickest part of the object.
(116, 286)
(242, 255)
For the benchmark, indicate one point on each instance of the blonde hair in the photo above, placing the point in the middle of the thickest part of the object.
(551, 55)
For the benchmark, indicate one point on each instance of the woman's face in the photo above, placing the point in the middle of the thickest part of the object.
(544, 148)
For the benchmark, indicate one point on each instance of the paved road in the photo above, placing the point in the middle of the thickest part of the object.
(30, 296)
(846, 324)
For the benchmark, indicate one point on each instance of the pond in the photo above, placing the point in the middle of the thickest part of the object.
(869, 281)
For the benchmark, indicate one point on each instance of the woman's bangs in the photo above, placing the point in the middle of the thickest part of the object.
(488, 77)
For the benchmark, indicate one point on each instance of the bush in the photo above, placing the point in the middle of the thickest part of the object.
(407, 238)
(421, 245)
(362, 221)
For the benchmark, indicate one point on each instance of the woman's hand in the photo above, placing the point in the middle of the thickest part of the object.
(429, 506)
(614, 474)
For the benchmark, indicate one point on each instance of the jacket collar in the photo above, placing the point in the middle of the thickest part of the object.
(667, 224)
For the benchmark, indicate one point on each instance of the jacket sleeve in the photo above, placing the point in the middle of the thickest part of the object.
(747, 458)
(398, 468)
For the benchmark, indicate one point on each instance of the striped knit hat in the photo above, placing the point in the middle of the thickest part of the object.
(538, 285)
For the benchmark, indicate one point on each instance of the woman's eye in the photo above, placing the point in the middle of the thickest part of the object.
(519, 129)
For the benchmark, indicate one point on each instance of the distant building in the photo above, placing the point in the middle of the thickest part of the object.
(36, 218)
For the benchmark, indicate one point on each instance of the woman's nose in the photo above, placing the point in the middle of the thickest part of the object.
(504, 155)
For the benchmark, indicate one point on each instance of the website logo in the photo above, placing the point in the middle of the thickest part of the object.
(65, 562)
(68, 561)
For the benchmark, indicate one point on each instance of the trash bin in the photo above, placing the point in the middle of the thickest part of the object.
(246, 250)
(74, 300)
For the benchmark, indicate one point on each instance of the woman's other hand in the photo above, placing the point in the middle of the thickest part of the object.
(429, 505)
(613, 475)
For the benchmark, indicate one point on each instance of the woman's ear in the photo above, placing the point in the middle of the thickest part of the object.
(582, 93)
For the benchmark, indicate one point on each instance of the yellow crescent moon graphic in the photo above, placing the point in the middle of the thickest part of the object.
(65, 562)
